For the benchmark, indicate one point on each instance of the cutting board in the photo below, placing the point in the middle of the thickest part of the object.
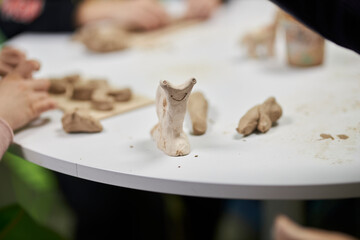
(137, 101)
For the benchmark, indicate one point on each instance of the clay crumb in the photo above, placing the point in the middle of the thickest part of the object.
(196, 156)
(343, 136)
(131, 146)
(326, 136)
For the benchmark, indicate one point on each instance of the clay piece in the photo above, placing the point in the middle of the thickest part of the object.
(121, 95)
(101, 101)
(260, 117)
(326, 136)
(261, 37)
(342, 136)
(98, 83)
(80, 121)
(62, 85)
(103, 37)
(171, 103)
(83, 91)
(57, 86)
(72, 79)
(198, 109)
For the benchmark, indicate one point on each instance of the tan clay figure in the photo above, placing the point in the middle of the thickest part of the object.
(264, 36)
(79, 120)
(198, 109)
(171, 103)
(101, 101)
(260, 117)
(121, 95)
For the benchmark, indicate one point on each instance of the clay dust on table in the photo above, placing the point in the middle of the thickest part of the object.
(326, 136)
(329, 136)
(343, 136)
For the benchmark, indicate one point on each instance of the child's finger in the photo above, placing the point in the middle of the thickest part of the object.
(43, 106)
(39, 84)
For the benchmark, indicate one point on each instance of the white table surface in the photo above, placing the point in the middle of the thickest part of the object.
(288, 162)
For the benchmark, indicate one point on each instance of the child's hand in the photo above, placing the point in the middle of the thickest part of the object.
(9, 59)
(12, 59)
(23, 100)
(201, 9)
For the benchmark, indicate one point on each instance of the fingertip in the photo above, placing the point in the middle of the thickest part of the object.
(35, 64)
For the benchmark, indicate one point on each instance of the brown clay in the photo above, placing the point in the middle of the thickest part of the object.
(82, 91)
(72, 79)
(101, 101)
(343, 136)
(79, 120)
(103, 37)
(121, 95)
(198, 109)
(98, 83)
(57, 86)
(326, 136)
(260, 117)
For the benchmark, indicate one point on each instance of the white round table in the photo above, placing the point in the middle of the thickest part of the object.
(291, 161)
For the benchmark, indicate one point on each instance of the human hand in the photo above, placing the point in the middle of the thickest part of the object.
(131, 14)
(12, 59)
(285, 229)
(27, 67)
(23, 100)
(201, 9)
(9, 59)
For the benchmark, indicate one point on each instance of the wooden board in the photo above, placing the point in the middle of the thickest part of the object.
(155, 37)
(137, 101)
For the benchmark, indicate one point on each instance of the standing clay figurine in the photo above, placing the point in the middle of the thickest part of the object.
(260, 117)
(171, 102)
(198, 109)
(264, 36)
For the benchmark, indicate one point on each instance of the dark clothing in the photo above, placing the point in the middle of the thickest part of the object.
(109, 212)
(17, 16)
(336, 20)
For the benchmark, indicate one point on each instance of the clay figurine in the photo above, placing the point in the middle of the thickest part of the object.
(171, 103)
(260, 117)
(264, 36)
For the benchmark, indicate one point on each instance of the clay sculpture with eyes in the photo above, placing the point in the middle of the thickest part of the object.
(171, 102)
